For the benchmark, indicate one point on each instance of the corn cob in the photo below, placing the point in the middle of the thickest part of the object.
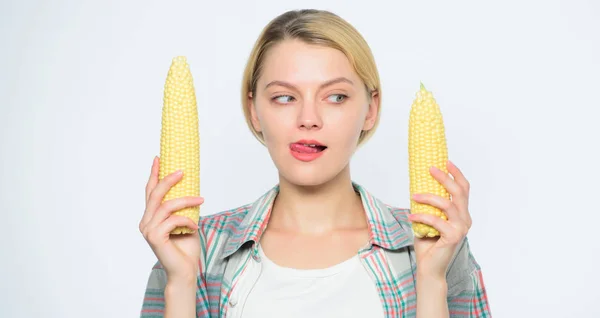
(426, 147)
(179, 140)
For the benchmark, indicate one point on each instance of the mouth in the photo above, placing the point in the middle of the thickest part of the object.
(307, 150)
(307, 146)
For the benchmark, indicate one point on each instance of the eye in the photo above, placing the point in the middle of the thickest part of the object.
(281, 99)
(338, 98)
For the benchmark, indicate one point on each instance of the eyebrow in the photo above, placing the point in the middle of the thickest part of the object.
(327, 83)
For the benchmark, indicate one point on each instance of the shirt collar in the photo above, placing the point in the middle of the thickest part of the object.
(385, 230)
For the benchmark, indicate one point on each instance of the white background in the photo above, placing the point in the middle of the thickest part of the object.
(81, 95)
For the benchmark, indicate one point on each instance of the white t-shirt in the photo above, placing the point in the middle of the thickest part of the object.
(343, 290)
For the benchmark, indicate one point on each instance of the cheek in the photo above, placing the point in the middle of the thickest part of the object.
(275, 126)
(346, 127)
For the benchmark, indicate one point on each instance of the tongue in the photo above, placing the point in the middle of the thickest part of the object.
(304, 149)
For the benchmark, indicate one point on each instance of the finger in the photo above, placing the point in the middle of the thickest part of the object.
(450, 233)
(443, 226)
(174, 221)
(153, 179)
(457, 192)
(447, 206)
(160, 235)
(171, 206)
(150, 185)
(462, 203)
(158, 193)
(442, 177)
(459, 177)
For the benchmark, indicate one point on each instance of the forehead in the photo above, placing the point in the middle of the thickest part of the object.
(305, 64)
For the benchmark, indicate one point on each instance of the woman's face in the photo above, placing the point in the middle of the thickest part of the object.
(311, 107)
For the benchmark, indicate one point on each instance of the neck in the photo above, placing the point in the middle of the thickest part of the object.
(318, 209)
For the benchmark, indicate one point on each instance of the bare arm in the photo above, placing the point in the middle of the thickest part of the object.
(180, 299)
(431, 297)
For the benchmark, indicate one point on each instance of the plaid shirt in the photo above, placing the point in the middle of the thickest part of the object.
(389, 258)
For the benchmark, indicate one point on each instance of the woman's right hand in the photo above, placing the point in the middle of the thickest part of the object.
(178, 254)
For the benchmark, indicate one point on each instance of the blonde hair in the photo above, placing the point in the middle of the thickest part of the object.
(313, 27)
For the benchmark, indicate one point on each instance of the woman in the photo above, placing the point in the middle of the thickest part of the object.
(317, 244)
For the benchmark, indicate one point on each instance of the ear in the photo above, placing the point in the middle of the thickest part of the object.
(253, 115)
(372, 112)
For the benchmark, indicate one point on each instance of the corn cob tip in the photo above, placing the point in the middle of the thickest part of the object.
(180, 58)
(422, 86)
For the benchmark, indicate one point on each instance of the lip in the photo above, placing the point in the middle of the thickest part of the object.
(309, 142)
(307, 156)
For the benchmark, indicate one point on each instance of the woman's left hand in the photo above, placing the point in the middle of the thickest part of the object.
(434, 254)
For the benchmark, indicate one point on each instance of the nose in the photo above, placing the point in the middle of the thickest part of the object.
(309, 117)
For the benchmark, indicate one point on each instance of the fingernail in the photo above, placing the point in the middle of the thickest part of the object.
(179, 172)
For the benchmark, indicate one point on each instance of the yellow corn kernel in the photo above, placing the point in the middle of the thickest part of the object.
(179, 139)
(426, 147)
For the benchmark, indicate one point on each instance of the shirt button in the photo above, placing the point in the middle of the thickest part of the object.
(232, 302)
(256, 258)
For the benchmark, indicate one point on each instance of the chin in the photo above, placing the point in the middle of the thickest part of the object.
(311, 174)
(305, 179)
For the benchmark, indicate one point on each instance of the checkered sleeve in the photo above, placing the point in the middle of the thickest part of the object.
(154, 301)
(467, 296)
